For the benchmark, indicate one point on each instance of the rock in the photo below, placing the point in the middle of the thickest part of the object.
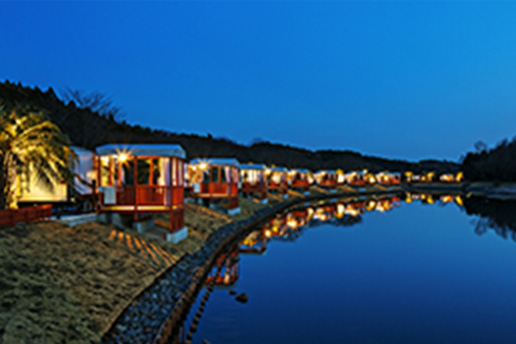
(242, 298)
(232, 292)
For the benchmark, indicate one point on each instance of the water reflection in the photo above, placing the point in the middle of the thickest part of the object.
(496, 215)
(290, 225)
(339, 213)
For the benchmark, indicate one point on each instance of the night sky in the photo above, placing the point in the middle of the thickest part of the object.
(396, 79)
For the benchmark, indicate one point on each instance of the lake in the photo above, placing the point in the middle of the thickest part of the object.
(424, 269)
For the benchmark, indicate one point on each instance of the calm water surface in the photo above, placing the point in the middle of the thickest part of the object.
(418, 273)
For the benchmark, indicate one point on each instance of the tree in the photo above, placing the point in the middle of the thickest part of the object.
(30, 143)
(95, 102)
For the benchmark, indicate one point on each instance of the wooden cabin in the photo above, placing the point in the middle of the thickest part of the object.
(447, 178)
(253, 181)
(452, 178)
(326, 178)
(32, 190)
(428, 177)
(388, 178)
(341, 177)
(300, 179)
(356, 178)
(215, 179)
(143, 179)
(277, 180)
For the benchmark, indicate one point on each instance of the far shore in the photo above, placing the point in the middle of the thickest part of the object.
(493, 190)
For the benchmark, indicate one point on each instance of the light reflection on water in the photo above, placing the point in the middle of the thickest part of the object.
(383, 270)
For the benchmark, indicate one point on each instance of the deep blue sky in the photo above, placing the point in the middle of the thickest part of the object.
(397, 79)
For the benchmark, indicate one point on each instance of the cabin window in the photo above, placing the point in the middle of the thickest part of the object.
(225, 174)
(106, 171)
(234, 175)
(156, 171)
(206, 176)
(164, 175)
(181, 172)
(128, 173)
(144, 171)
(215, 174)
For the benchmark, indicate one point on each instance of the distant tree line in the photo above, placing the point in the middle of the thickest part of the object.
(496, 164)
(92, 119)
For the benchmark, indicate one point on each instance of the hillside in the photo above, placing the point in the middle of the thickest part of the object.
(89, 129)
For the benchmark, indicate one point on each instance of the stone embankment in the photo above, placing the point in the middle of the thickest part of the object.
(155, 314)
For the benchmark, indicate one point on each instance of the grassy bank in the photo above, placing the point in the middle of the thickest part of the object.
(67, 285)
(61, 284)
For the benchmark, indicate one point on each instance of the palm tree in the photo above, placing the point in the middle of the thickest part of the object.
(30, 143)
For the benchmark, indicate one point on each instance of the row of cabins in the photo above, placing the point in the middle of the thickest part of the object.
(137, 180)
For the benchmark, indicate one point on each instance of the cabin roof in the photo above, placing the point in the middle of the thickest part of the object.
(327, 171)
(253, 167)
(81, 151)
(216, 161)
(300, 170)
(279, 169)
(143, 150)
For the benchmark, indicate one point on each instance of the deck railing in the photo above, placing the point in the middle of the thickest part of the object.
(149, 195)
(11, 217)
(254, 187)
(219, 188)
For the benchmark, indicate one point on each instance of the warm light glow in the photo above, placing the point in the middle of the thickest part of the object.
(268, 233)
(350, 210)
(292, 223)
(371, 205)
(459, 201)
(340, 210)
(122, 157)
(447, 198)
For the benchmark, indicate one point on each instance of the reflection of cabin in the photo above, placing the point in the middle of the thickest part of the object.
(326, 178)
(388, 178)
(143, 179)
(300, 179)
(32, 190)
(277, 180)
(255, 242)
(226, 269)
(253, 181)
(215, 179)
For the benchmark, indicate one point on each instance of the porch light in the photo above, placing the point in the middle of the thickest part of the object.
(122, 157)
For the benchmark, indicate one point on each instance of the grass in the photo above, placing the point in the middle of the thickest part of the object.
(66, 285)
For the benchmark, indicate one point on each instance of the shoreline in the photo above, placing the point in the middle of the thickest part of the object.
(193, 269)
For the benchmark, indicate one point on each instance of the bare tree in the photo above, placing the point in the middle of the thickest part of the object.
(95, 102)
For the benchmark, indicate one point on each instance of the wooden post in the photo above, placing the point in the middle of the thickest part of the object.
(171, 186)
(151, 172)
(119, 173)
(110, 172)
(135, 184)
